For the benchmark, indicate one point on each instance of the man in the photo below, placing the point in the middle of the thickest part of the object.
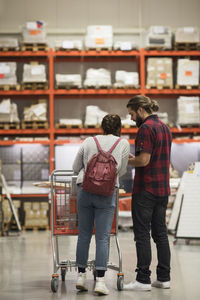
(150, 192)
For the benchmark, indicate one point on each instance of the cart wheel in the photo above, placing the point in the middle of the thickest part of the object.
(54, 284)
(94, 274)
(63, 273)
(120, 282)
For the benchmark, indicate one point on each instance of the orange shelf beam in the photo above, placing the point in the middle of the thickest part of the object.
(170, 53)
(13, 142)
(26, 92)
(96, 92)
(23, 53)
(96, 53)
(24, 131)
(171, 92)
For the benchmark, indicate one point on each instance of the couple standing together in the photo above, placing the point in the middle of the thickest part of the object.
(149, 197)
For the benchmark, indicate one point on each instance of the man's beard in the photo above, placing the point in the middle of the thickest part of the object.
(139, 121)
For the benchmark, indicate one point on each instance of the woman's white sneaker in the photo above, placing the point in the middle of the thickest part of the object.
(137, 286)
(161, 284)
(100, 287)
(81, 282)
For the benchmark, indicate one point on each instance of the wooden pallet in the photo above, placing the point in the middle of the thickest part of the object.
(35, 228)
(186, 46)
(9, 87)
(34, 86)
(2, 49)
(92, 126)
(34, 47)
(98, 49)
(97, 87)
(127, 126)
(34, 125)
(159, 87)
(187, 87)
(126, 87)
(66, 50)
(9, 125)
(58, 126)
(66, 87)
(157, 48)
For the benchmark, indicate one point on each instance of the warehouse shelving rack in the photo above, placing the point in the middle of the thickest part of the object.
(52, 56)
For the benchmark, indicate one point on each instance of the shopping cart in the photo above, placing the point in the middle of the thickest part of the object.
(64, 221)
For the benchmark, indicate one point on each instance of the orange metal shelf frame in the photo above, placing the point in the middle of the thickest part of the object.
(51, 55)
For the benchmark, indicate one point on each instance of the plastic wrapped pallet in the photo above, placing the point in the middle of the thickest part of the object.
(68, 80)
(187, 35)
(73, 122)
(188, 72)
(36, 112)
(158, 37)
(188, 110)
(126, 79)
(8, 73)
(34, 32)
(9, 43)
(94, 115)
(8, 111)
(99, 36)
(159, 72)
(97, 78)
(124, 45)
(127, 122)
(163, 116)
(69, 44)
(34, 73)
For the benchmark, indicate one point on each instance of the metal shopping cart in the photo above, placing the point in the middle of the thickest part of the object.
(64, 221)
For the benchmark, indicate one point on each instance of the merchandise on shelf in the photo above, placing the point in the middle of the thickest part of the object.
(158, 37)
(8, 73)
(34, 32)
(127, 122)
(96, 78)
(8, 43)
(68, 45)
(188, 110)
(126, 79)
(163, 116)
(8, 111)
(34, 73)
(36, 215)
(188, 72)
(36, 112)
(68, 80)
(94, 115)
(71, 122)
(159, 73)
(99, 36)
(124, 45)
(187, 35)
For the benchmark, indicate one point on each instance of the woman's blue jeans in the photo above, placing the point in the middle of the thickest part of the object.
(94, 210)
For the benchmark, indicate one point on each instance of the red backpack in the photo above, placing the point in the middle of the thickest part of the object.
(101, 172)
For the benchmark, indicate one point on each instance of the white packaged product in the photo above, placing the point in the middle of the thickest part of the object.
(77, 122)
(158, 37)
(69, 44)
(9, 43)
(127, 122)
(97, 78)
(188, 110)
(159, 72)
(8, 111)
(126, 79)
(188, 72)
(8, 73)
(187, 35)
(36, 112)
(34, 32)
(99, 36)
(94, 115)
(124, 45)
(34, 73)
(68, 80)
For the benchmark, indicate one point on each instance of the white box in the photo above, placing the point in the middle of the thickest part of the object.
(188, 72)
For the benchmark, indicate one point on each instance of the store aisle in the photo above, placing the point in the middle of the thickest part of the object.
(26, 268)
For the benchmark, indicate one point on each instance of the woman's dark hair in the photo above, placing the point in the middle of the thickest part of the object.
(145, 102)
(111, 124)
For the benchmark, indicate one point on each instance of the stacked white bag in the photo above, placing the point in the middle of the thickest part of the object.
(94, 115)
(126, 79)
(99, 36)
(69, 44)
(97, 78)
(124, 45)
(188, 72)
(68, 80)
(9, 43)
(8, 111)
(34, 32)
(34, 73)
(36, 112)
(188, 110)
(8, 73)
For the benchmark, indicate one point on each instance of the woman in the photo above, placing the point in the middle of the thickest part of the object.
(98, 209)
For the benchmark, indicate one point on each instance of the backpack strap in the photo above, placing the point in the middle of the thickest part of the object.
(111, 149)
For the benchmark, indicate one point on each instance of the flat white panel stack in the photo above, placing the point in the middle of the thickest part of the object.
(68, 80)
(188, 72)
(69, 44)
(158, 37)
(8, 73)
(94, 115)
(99, 36)
(126, 79)
(8, 111)
(187, 35)
(159, 72)
(34, 73)
(34, 32)
(8, 43)
(188, 110)
(97, 78)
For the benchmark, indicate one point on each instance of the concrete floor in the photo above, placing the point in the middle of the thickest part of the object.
(26, 269)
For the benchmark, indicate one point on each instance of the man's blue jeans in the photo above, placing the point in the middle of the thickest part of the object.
(94, 210)
(149, 212)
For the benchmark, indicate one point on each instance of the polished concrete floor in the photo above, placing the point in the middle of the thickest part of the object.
(26, 268)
